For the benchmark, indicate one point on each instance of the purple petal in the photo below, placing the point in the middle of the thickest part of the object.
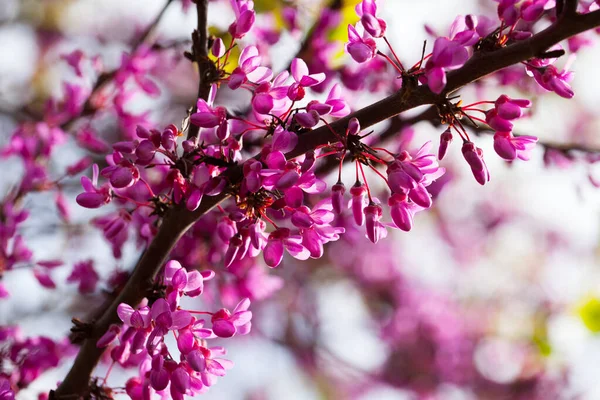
(273, 253)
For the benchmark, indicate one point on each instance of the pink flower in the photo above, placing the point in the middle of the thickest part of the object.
(445, 139)
(190, 283)
(94, 196)
(226, 324)
(402, 211)
(509, 147)
(279, 240)
(271, 95)
(375, 229)
(123, 173)
(244, 18)
(359, 202)
(551, 79)
(447, 55)
(361, 49)
(337, 197)
(84, 273)
(510, 109)
(531, 10)
(74, 60)
(303, 79)
(508, 12)
(474, 157)
(208, 117)
(412, 174)
(249, 69)
(367, 10)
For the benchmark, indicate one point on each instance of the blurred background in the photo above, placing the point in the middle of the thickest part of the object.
(495, 293)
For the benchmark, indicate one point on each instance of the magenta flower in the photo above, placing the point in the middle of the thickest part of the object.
(271, 95)
(315, 227)
(359, 202)
(339, 106)
(509, 147)
(109, 336)
(74, 60)
(136, 66)
(189, 283)
(279, 240)
(303, 79)
(402, 211)
(474, 157)
(445, 139)
(375, 229)
(367, 9)
(508, 12)
(361, 49)
(85, 274)
(337, 197)
(123, 173)
(94, 196)
(226, 324)
(249, 69)
(447, 55)
(412, 174)
(505, 110)
(207, 116)
(551, 79)
(244, 18)
(510, 109)
(531, 10)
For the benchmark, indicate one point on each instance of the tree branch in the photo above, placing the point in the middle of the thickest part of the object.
(200, 51)
(179, 219)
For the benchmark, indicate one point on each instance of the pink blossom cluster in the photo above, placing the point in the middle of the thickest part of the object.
(277, 202)
(141, 340)
(24, 359)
